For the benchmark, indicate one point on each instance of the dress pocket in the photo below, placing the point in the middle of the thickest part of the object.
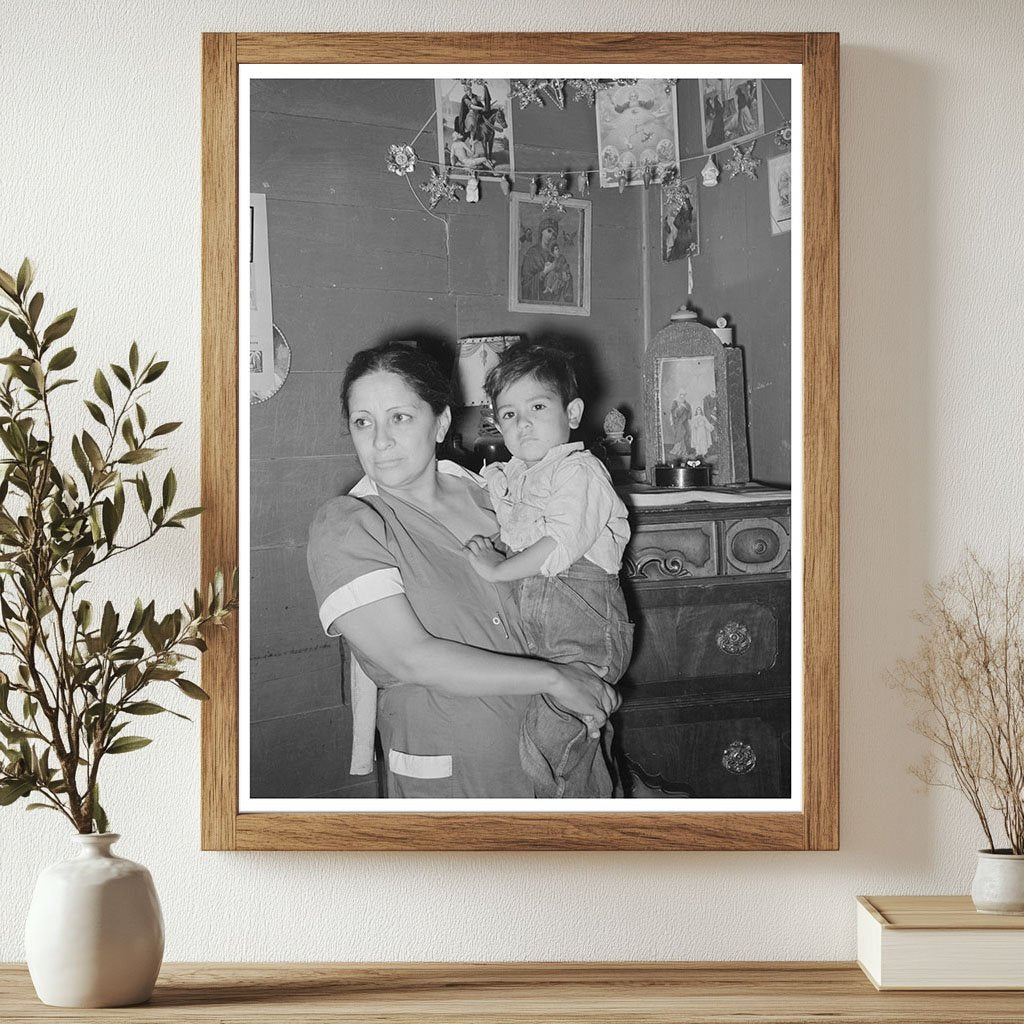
(421, 776)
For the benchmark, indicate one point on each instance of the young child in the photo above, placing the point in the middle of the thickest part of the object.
(566, 529)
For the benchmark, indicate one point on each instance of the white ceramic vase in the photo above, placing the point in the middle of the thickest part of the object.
(95, 934)
(999, 883)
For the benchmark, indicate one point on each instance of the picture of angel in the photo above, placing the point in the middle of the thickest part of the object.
(780, 193)
(730, 111)
(680, 220)
(637, 127)
(474, 126)
(687, 407)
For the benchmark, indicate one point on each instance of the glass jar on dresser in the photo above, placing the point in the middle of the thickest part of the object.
(706, 700)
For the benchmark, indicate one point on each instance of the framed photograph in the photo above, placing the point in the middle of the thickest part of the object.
(369, 242)
(637, 128)
(549, 256)
(730, 112)
(694, 402)
(680, 220)
(474, 126)
(780, 188)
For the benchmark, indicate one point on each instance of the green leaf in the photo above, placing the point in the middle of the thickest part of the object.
(128, 433)
(102, 388)
(34, 308)
(20, 328)
(26, 273)
(81, 461)
(139, 455)
(140, 415)
(92, 449)
(42, 807)
(170, 488)
(60, 326)
(165, 428)
(84, 614)
(133, 358)
(144, 707)
(14, 790)
(119, 499)
(8, 284)
(63, 359)
(108, 627)
(99, 817)
(191, 690)
(154, 371)
(95, 412)
(145, 497)
(185, 513)
(4, 314)
(125, 744)
(121, 374)
(109, 521)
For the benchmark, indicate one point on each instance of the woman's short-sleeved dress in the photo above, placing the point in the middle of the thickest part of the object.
(367, 547)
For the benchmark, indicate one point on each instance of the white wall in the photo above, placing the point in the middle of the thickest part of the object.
(99, 182)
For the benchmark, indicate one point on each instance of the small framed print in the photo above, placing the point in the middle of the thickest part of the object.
(474, 127)
(637, 128)
(780, 193)
(680, 220)
(549, 256)
(694, 403)
(730, 111)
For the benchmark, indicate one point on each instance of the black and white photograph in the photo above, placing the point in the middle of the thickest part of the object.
(474, 126)
(730, 111)
(499, 559)
(549, 256)
(637, 131)
(780, 190)
(680, 220)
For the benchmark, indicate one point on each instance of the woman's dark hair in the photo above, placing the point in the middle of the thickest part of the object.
(551, 366)
(419, 371)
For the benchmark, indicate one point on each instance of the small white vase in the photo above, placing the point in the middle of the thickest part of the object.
(999, 883)
(95, 934)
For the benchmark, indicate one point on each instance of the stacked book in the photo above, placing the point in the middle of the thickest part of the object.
(938, 942)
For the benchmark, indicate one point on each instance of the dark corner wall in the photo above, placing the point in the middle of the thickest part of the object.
(356, 260)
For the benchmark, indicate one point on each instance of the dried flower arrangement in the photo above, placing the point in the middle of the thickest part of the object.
(967, 679)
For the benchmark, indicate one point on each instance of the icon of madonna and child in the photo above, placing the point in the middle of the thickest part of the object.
(688, 405)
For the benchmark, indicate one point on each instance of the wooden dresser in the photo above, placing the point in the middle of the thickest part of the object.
(706, 701)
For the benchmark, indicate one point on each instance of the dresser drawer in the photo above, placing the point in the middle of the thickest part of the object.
(708, 634)
(676, 552)
(755, 546)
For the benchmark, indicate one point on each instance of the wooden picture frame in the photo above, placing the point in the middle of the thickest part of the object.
(564, 290)
(816, 825)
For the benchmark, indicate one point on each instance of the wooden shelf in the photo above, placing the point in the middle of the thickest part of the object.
(657, 993)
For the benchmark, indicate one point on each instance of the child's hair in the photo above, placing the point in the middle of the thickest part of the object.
(551, 366)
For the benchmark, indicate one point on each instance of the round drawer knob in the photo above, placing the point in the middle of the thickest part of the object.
(733, 638)
(739, 758)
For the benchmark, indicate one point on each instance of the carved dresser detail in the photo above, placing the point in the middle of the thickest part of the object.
(706, 700)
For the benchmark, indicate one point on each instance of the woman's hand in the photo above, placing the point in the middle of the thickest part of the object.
(585, 694)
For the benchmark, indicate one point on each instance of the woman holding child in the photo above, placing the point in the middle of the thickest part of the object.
(393, 568)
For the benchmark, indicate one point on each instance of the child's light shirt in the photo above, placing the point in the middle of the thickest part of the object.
(567, 496)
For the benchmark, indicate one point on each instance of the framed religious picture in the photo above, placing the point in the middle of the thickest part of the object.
(474, 126)
(680, 219)
(549, 256)
(730, 111)
(780, 186)
(385, 687)
(637, 131)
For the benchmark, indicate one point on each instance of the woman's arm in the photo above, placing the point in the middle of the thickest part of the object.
(390, 634)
